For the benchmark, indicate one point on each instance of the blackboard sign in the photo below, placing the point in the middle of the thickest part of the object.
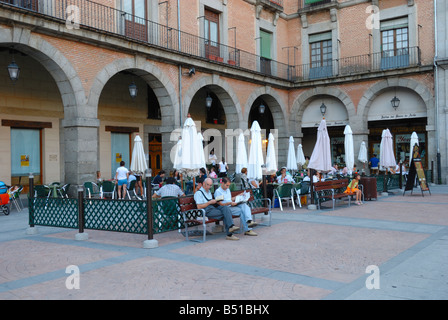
(416, 169)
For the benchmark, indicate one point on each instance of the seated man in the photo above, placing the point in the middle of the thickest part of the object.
(204, 200)
(334, 169)
(242, 210)
(284, 177)
(158, 179)
(170, 189)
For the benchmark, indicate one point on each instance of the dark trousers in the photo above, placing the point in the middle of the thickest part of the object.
(220, 213)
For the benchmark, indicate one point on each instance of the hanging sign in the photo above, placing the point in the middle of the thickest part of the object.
(118, 157)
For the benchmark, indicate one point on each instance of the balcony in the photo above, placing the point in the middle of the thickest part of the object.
(368, 63)
(314, 5)
(272, 5)
(100, 18)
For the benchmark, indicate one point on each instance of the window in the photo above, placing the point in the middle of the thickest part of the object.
(265, 51)
(394, 43)
(211, 35)
(321, 55)
(120, 147)
(135, 19)
(25, 152)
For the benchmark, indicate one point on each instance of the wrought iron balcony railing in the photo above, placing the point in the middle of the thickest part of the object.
(315, 4)
(88, 14)
(381, 61)
(272, 4)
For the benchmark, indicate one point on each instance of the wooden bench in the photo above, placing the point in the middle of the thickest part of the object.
(192, 216)
(332, 190)
(256, 205)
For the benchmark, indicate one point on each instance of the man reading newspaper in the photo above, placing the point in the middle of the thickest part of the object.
(237, 205)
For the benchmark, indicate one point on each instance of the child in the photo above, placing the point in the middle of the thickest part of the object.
(353, 188)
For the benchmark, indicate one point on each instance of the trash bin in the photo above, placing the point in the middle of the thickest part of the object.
(369, 188)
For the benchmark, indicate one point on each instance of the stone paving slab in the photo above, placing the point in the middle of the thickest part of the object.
(305, 254)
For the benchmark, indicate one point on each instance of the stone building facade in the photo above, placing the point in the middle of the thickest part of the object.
(70, 113)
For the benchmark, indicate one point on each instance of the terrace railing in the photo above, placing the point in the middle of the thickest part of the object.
(382, 61)
(88, 14)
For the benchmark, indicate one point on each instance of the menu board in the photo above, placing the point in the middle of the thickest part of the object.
(416, 169)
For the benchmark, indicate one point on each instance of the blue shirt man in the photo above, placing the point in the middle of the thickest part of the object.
(374, 161)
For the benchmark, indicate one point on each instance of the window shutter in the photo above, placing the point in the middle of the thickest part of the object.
(265, 45)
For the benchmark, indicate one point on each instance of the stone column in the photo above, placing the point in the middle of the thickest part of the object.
(81, 149)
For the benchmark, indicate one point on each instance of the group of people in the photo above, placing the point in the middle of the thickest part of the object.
(224, 209)
(374, 164)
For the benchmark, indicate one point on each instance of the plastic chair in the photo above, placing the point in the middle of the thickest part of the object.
(14, 193)
(301, 190)
(92, 189)
(42, 191)
(108, 188)
(131, 190)
(283, 192)
(64, 190)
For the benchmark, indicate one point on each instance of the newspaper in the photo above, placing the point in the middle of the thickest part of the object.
(242, 198)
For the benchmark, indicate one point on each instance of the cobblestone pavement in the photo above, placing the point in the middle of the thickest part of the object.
(305, 254)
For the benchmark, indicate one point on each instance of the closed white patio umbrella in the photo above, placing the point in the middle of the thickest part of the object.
(362, 156)
(291, 163)
(300, 157)
(177, 161)
(387, 157)
(254, 170)
(241, 154)
(191, 159)
(413, 142)
(271, 159)
(348, 145)
(320, 159)
(138, 160)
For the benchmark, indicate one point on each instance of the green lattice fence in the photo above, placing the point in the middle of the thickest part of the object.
(115, 215)
(53, 212)
(107, 215)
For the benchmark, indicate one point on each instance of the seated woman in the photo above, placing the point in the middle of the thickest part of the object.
(212, 173)
(353, 188)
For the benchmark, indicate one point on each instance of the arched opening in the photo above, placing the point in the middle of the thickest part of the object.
(408, 117)
(32, 109)
(336, 117)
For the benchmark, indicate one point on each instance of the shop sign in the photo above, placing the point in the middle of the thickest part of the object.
(329, 124)
(397, 116)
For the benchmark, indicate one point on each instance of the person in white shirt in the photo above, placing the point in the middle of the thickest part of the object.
(242, 209)
(121, 179)
(223, 168)
(334, 169)
(212, 158)
(283, 177)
